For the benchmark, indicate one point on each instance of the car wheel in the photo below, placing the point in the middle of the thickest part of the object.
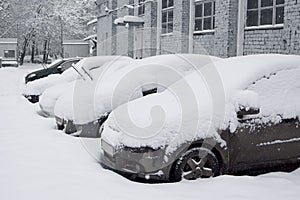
(195, 163)
(60, 126)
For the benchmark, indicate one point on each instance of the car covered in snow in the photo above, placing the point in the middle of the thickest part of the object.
(236, 116)
(56, 67)
(84, 114)
(51, 95)
(34, 89)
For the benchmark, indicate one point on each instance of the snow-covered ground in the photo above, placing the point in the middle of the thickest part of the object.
(39, 162)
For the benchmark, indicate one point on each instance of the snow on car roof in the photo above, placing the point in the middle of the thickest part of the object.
(204, 102)
(128, 82)
(83, 91)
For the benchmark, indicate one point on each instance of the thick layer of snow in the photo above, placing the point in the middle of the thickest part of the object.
(206, 101)
(49, 97)
(113, 88)
(52, 94)
(39, 86)
(39, 162)
(83, 93)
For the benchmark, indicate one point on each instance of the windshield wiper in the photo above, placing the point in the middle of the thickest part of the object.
(73, 66)
(44, 65)
(87, 73)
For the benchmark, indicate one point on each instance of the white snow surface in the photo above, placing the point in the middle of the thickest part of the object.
(116, 87)
(78, 102)
(207, 100)
(39, 162)
(37, 87)
(49, 97)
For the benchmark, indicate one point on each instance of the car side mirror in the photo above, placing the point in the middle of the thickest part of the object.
(247, 103)
(244, 111)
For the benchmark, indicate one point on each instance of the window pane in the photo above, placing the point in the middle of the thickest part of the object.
(252, 4)
(9, 53)
(252, 18)
(170, 27)
(164, 28)
(170, 16)
(279, 15)
(164, 4)
(214, 23)
(171, 3)
(207, 9)
(198, 10)
(198, 25)
(164, 17)
(207, 24)
(278, 2)
(266, 16)
(265, 3)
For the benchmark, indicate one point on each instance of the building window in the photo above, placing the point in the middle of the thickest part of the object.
(204, 15)
(9, 53)
(265, 12)
(141, 8)
(167, 16)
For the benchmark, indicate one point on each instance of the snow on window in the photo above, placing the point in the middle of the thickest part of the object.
(279, 94)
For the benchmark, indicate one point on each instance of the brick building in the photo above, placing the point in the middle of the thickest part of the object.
(216, 27)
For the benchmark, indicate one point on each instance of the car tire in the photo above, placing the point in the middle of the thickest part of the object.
(195, 163)
(60, 127)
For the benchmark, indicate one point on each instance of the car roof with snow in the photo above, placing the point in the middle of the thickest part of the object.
(130, 81)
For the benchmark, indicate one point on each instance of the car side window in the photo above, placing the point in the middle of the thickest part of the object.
(278, 94)
(148, 92)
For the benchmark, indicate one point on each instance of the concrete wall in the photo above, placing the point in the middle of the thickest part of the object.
(75, 49)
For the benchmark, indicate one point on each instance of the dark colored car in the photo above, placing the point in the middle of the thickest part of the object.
(241, 118)
(57, 67)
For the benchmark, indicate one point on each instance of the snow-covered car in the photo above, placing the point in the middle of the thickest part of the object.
(239, 115)
(56, 67)
(34, 89)
(51, 95)
(86, 113)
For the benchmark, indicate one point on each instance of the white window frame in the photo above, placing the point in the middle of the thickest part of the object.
(259, 9)
(167, 9)
(142, 7)
(212, 16)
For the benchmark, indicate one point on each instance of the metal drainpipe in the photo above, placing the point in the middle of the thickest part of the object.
(191, 27)
(241, 24)
(158, 41)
